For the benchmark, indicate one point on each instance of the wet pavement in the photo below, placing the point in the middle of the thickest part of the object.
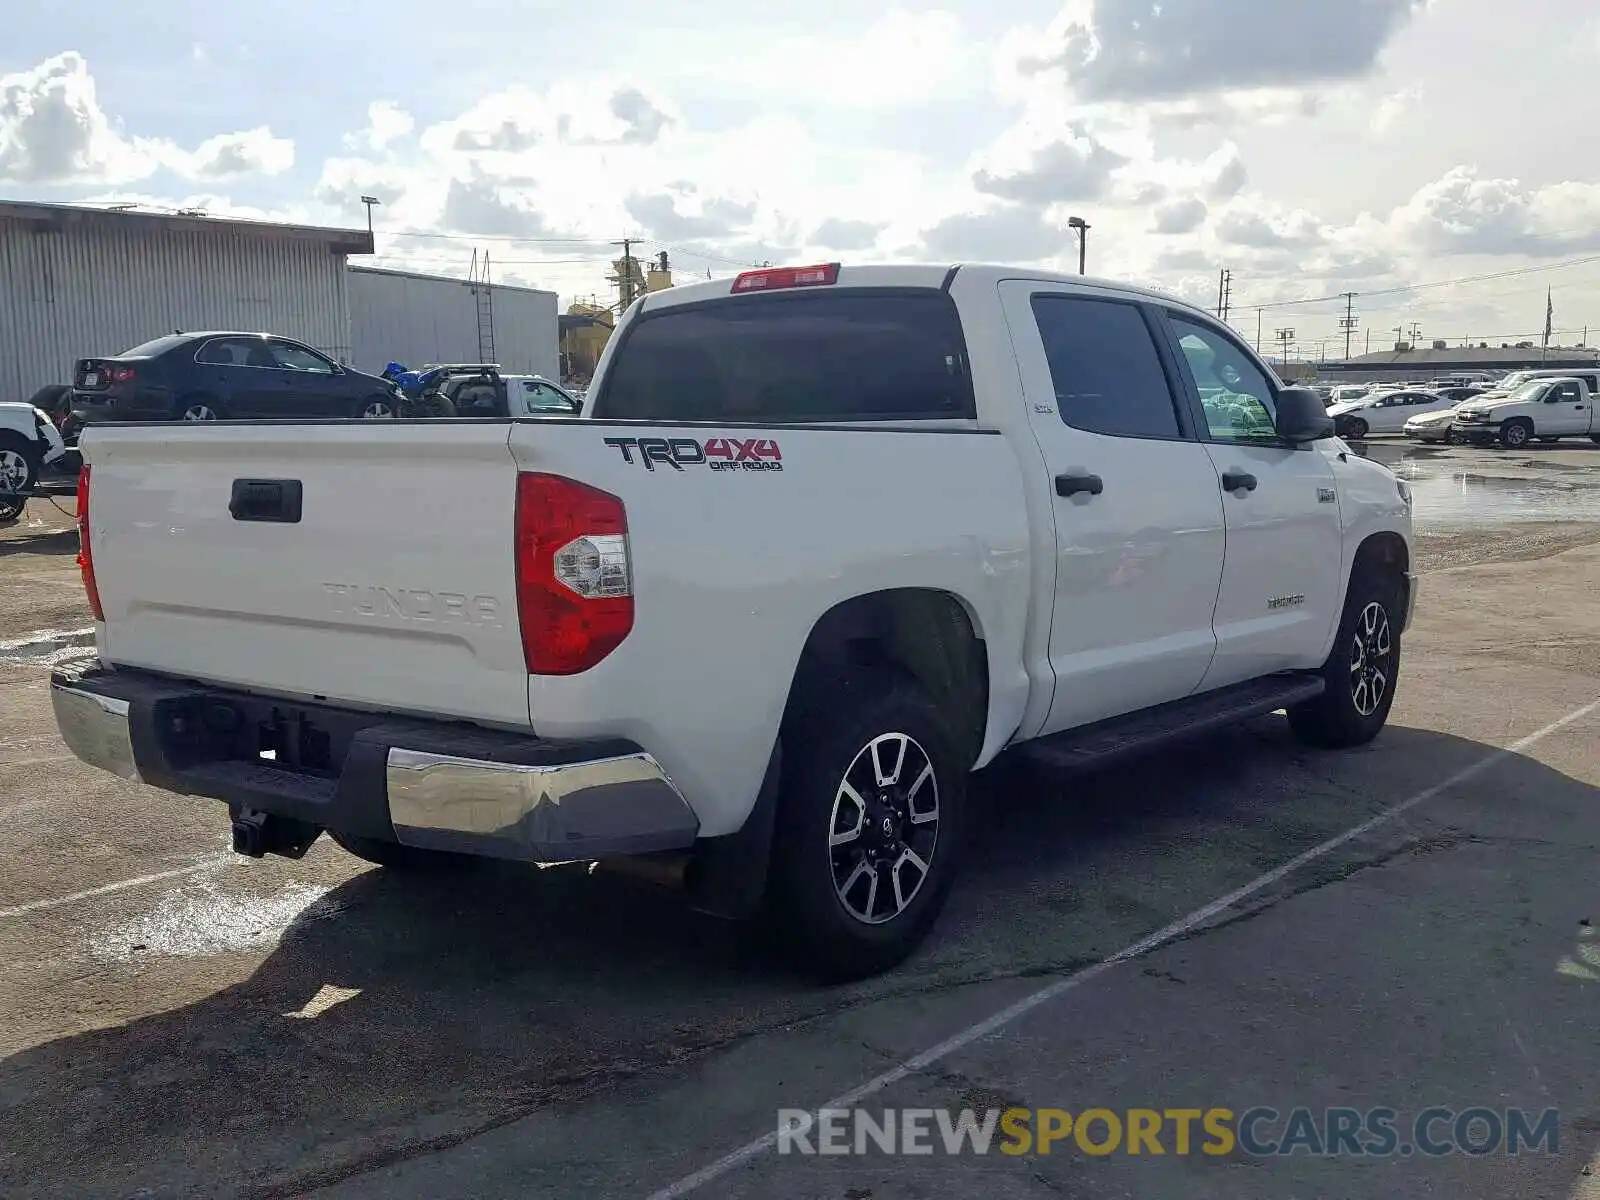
(179, 1021)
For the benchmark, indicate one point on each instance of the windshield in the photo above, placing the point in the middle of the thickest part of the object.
(1530, 392)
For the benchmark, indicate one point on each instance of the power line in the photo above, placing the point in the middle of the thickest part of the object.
(1438, 283)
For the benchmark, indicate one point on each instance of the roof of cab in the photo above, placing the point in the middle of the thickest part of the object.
(930, 275)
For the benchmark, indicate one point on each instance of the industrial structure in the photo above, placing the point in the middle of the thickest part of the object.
(1408, 362)
(80, 281)
(586, 328)
(415, 319)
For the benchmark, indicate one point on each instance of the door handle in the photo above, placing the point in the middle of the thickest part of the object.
(1071, 485)
(1235, 481)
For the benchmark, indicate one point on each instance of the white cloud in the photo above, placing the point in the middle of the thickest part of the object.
(53, 130)
(387, 122)
(1393, 108)
(1131, 50)
(1461, 212)
(1180, 216)
(230, 155)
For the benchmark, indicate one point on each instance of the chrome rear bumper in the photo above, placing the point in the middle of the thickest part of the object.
(435, 785)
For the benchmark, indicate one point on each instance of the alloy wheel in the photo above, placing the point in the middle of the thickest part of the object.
(1371, 659)
(377, 410)
(15, 474)
(884, 828)
(199, 412)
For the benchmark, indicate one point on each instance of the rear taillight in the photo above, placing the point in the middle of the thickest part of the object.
(120, 374)
(772, 278)
(85, 557)
(574, 585)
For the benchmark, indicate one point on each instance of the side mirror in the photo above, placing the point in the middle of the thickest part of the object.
(1301, 417)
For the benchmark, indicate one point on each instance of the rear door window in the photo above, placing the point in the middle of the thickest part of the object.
(1105, 367)
(861, 354)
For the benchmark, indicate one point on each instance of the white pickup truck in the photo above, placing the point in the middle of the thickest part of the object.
(822, 542)
(1545, 410)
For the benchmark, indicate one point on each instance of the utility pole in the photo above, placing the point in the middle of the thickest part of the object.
(1368, 350)
(1399, 336)
(1285, 340)
(1348, 321)
(1258, 331)
(1082, 227)
(369, 201)
(625, 275)
(1224, 292)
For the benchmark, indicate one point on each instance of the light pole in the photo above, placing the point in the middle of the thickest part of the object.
(1082, 227)
(369, 201)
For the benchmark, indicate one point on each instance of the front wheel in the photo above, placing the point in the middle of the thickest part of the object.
(1361, 670)
(376, 408)
(1355, 429)
(869, 826)
(1516, 433)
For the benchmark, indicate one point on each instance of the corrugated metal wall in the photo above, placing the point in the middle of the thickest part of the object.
(416, 319)
(69, 294)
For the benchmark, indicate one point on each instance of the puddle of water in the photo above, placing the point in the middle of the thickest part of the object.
(201, 918)
(51, 648)
(1454, 493)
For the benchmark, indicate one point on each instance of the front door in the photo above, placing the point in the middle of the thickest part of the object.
(309, 385)
(1566, 411)
(1281, 585)
(1137, 513)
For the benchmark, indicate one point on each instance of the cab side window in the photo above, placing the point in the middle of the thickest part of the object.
(1105, 367)
(1236, 395)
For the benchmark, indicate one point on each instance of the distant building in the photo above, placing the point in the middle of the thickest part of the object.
(399, 316)
(1407, 362)
(78, 281)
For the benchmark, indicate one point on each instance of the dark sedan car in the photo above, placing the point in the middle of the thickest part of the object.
(217, 376)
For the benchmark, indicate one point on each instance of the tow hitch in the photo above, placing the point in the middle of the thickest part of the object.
(257, 834)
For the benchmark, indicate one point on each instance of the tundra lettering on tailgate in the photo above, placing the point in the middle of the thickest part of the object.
(408, 604)
(719, 454)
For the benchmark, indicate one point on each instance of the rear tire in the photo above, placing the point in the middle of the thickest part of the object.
(872, 785)
(198, 407)
(393, 854)
(1362, 670)
(20, 464)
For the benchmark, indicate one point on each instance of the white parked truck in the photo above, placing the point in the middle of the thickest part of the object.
(823, 541)
(1544, 409)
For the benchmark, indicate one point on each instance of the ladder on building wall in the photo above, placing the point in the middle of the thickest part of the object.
(483, 297)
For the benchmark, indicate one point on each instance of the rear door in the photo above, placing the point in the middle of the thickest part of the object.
(1138, 515)
(1281, 585)
(230, 373)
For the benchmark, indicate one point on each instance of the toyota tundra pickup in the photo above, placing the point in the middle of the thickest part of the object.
(822, 542)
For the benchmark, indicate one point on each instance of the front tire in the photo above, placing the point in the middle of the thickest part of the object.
(1355, 429)
(870, 815)
(1361, 671)
(1516, 433)
(377, 408)
(393, 854)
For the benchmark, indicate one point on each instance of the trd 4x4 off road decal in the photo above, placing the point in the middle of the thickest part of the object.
(719, 454)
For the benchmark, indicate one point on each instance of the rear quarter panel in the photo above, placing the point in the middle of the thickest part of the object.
(733, 568)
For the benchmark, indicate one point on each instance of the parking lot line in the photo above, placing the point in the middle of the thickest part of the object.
(1005, 1016)
(118, 886)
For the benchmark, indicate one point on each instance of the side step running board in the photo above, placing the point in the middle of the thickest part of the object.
(1135, 733)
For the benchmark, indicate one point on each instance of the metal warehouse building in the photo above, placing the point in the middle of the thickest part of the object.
(80, 281)
(415, 319)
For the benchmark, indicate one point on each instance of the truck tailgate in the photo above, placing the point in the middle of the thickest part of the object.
(393, 589)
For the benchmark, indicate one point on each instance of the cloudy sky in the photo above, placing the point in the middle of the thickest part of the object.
(1312, 148)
